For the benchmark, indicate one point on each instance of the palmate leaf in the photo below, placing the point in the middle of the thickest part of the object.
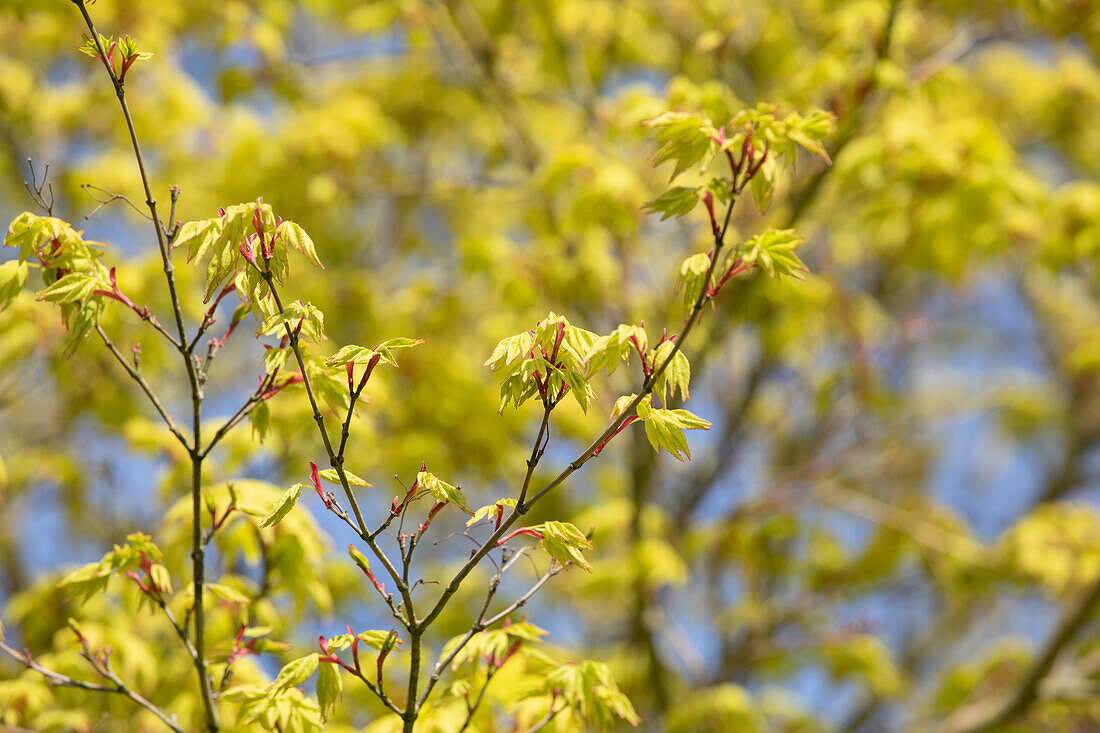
(510, 350)
(547, 359)
(376, 639)
(491, 643)
(677, 376)
(693, 275)
(276, 709)
(441, 490)
(197, 237)
(296, 672)
(685, 139)
(589, 689)
(386, 348)
(675, 202)
(351, 354)
(665, 428)
(354, 354)
(490, 511)
(294, 235)
(607, 352)
(13, 276)
(86, 581)
(73, 288)
(782, 135)
(222, 238)
(773, 251)
(296, 313)
(564, 542)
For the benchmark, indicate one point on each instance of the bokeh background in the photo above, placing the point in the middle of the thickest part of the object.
(897, 505)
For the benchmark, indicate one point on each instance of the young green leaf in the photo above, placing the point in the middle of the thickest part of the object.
(351, 354)
(386, 348)
(607, 352)
(665, 428)
(329, 687)
(330, 475)
(564, 542)
(693, 275)
(773, 250)
(227, 593)
(283, 506)
(296, 672)
(678, 373)
(677, 201)
(74, 287)
(87, 581)
(490, 511)
(441, 490)
(297, 238)
(13, 276)
(683, 138)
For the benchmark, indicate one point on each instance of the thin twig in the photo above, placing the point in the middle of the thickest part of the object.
(145, 387)
(197, 553)
(107, 199)
(117, 687)
(991, 714)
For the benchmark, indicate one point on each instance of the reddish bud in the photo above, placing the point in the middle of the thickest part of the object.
(248, 252)
(708, 201)
(315, 477)
(628, 421)
(370, 369)
(523, 530)
(431, 515)
(511, 650)
(354, 648)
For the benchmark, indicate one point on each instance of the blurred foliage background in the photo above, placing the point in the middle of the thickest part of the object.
(893, 524)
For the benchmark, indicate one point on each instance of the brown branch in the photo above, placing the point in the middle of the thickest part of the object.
(197, 551)
(991, 714)
(117, 686)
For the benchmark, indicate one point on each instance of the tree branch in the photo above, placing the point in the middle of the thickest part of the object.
(117, 687)
(991, 714)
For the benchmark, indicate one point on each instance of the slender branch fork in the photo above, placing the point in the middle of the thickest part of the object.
(102, 666)
(405, 612)
(196, 378)
(415, 626)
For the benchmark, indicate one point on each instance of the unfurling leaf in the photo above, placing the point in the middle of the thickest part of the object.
(330, 475)
(329, 687)
(297, 238)
(683, 138)
(564, 542)
(677, 376)
(665, 428)
(491, 511)
(773, 250)
(441, 490)
(677, 201)
(13, 276)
